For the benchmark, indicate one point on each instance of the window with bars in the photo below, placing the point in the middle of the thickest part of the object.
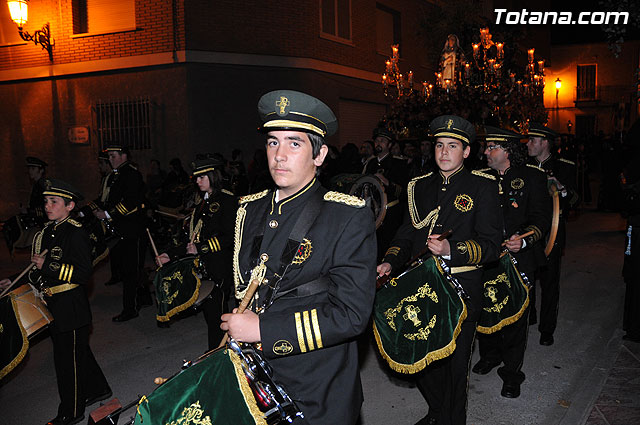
(127, 122)
(586, 89)
(335, 19)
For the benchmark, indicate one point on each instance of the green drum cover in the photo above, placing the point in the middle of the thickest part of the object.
(417, 318)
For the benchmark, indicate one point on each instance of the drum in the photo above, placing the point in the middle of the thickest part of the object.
(230, 385)
(32, 312)
(177, 287)
(418, 316)
(367, 187)
(206, 287)
(19, 231)
(506, 295)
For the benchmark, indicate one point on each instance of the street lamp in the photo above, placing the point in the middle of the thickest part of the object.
(19, 14)
(558, 85)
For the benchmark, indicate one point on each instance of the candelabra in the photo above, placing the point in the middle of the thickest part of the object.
(394, 83)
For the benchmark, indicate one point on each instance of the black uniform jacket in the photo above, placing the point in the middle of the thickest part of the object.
(565, 172)
(68, 261)
(526, 206)
(126, 198)
(394, 169)
(309, 338)
(36, 201)
(465, 202)
(212, 222)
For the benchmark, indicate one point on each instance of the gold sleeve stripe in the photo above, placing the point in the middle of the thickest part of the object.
(121, 209)
(216, 243)
(394, 250)
(307, 329)
(478, 251)
(70, 273)
(303, 347)
(211, 245)
(316, 327)
(61, 272)
(124, 209)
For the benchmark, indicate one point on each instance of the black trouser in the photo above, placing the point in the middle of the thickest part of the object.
(127, 251)
(549, 276)
(507, 345)
(78, 374)
(445, 383)
(630, 271)
(213, 307)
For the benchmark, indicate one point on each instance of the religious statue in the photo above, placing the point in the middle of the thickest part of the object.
(451, 61)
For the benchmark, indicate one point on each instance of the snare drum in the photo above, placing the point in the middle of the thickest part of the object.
(19, 231)
(206, 287)
(32, 312)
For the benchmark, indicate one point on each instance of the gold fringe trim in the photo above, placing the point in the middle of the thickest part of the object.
(25, 342)
(512, 319)
(432, 356)
(237, 244)
(187, 304)
(247, 392)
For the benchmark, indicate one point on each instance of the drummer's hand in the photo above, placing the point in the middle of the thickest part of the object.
(4, 283)
(383, 269)
(163, 258)
(191, 248)
(383, 179)
(243, 327)
(437, 247)
(38, 260)
(512, 245)
(100, 214)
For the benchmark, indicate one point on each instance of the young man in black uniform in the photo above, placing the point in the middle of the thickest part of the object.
(562, 173)
(316, 251)
(466, 202)
(394, 175)
(62, 274)
(124, 206)
(37, 169)
(526, 206)
(211, 238)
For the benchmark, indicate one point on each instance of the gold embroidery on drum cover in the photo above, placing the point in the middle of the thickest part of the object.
(282, 347)
(412, 314)
(423, 333)
(463, 203)
(192, 415)
(424, 291)
(517, 183)
(56, 253)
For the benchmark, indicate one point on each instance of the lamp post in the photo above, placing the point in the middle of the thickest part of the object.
(19, 14)
(558, 85)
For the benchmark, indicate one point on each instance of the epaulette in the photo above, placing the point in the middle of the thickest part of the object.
(566, 161)
(228, 192)
(75, 223)
(252, 197)
(343, 198)
(481, 174)
(484, 170)
(421, 177)
(536, 167)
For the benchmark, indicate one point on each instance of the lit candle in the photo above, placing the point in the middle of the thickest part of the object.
(410, 79)
(500, 52)
(467, 70)
(388, 63)
(475, 49)
(400, 82)
(541, 66)
(492, 63)
(384, 80)
(530, 51)
(394, 49)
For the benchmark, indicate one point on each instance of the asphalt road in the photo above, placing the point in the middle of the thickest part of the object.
(562, 382)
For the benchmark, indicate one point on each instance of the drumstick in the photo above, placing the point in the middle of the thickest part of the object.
(517, 238)
(43, 253)
(179, 217)
(251, 290)
(382, 280)
(155, 250)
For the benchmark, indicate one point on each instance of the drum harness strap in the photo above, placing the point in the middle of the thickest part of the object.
(305, 220)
